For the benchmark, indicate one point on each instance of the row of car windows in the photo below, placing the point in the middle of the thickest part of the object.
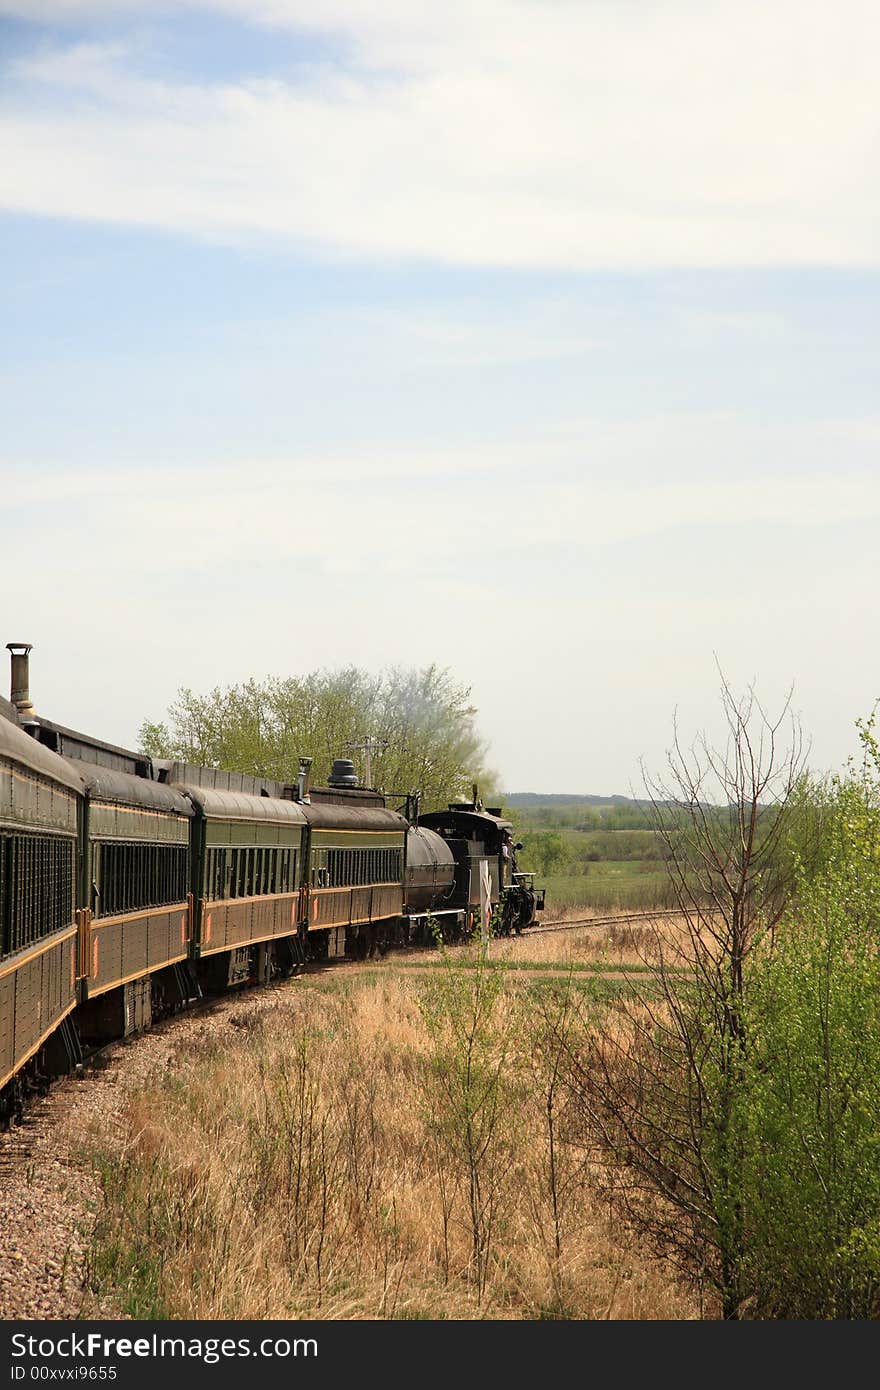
(127, 877)
(36, 888)
(250, 873)
(37, 878)
(131, 876)
(353, 867)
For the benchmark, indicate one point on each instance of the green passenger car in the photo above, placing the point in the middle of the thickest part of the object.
(135, 898)
(247, 866)
(39, 801)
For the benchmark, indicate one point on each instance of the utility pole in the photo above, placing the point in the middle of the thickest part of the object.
(369, 746)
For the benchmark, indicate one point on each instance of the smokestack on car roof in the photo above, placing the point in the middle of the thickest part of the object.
(304, 780)
(19, 692)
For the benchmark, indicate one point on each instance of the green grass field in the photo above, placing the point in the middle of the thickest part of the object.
(624, 884)
(593, 855)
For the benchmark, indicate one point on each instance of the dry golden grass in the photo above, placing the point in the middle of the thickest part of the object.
(301, 1166)
(623, 943)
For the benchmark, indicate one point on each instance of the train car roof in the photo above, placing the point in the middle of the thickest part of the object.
(345, 796)
(80, 747)
(20, 748)
(332, 817)
(473, 819)
(106, 784)
(223, 805)
(218, 779)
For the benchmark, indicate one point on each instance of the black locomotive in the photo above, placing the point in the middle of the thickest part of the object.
(129, 886)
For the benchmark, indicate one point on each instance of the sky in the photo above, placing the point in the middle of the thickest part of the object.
(534, 338)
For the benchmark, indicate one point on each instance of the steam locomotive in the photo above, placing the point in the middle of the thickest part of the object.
(130, 887)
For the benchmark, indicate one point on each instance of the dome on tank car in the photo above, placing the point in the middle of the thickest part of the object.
(342, 773)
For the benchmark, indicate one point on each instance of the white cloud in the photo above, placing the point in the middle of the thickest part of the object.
(498, 132)
(356, 515)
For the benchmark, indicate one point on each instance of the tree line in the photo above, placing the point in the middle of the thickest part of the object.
(421, 722)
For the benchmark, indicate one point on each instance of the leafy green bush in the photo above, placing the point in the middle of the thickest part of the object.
(737, 1122)
(810, 1106)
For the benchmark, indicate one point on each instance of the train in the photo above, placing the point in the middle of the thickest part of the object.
(131, 887)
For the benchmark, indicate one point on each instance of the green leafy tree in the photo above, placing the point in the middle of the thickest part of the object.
(545, 851)
(422, 722)
(810, 1108)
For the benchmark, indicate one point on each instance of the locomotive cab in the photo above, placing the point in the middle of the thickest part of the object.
(485, 858)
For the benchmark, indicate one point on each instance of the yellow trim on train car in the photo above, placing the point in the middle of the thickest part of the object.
(137, 975)
(150, 811)
(138, 915)
(37, 827)
(390, 831)
(317, 894)
(249, 941)
(23, 959)
(356, 887)
(211, 903)
(45, 779)
(352, 922)
(37, 1045)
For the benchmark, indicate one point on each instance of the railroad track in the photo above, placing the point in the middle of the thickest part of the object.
(15, 1137)
(618, 919)
(578, 923)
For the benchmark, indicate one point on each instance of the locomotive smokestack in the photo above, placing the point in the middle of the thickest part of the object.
(20, 696)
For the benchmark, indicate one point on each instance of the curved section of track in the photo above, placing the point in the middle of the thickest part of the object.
(579, 923)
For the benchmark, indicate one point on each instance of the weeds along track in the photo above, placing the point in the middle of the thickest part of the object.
(49, 1192)
(15, 1150)
(373, 963)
